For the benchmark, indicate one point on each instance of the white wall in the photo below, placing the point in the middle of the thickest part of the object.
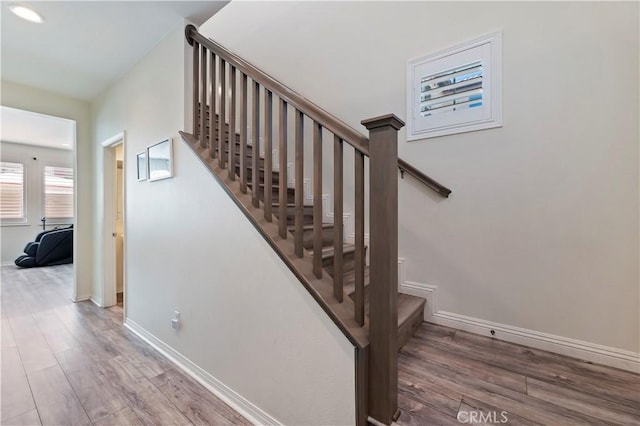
(541, 231)
(31, 99)
(247, 321)
(34, 158)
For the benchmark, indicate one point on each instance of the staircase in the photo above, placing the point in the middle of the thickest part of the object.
(362, 300)
(410, 308)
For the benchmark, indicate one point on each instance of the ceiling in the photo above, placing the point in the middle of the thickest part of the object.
(31, 128)
(84, 46)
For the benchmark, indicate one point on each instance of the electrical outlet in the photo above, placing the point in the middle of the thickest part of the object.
(175, 322)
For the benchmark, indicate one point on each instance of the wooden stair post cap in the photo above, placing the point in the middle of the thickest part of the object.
(383, 121)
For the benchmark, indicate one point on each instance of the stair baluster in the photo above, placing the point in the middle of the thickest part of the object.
(268, 154)
(203, 97)
(222, 116)
(212, 106)
(282, 152)
(338, 239)
(317, 199)
(196, 89)
(299, 183)
(243, 134)
(255, 118)
(232, 124)
(359, 237)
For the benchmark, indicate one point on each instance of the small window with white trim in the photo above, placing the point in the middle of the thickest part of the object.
(456, 90)
(58, 194)
(13, 209)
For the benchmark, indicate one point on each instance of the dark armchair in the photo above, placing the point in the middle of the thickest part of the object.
(54, 247)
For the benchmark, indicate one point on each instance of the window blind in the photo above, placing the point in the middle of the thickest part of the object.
(451, 90)
(58, 192)
(12, 197)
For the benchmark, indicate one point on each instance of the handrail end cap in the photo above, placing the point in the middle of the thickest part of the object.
(187, 33)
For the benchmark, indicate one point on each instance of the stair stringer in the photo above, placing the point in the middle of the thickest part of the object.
(321, 289)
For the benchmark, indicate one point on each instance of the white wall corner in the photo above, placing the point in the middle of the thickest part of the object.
(248, 410)
(587, 351)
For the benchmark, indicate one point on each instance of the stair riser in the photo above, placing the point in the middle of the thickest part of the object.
(275, 193)
(275, 175)
(307, 238)
(348, 263)
(408, 329)
(307, 217)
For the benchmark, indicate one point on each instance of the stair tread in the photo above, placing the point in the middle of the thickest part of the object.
(309, 227)
(329, 250)
(407, 306)
(290, 205)
(273, 185)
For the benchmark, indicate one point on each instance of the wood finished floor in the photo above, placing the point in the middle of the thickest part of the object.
(66, 363)
(443, 372)
(73, 363)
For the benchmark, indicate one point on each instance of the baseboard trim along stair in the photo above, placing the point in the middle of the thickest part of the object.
(591, 352)
(248, 410)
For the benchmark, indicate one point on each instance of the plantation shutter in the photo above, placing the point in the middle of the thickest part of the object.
(58, 192)
(452, 90)
(12, 191)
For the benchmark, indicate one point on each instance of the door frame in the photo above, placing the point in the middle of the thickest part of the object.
(108, 294)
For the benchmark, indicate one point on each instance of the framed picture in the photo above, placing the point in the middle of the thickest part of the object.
(159, 160)
(142, 165)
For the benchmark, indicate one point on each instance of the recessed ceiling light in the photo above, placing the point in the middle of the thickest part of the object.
(66, 144)
(26, 13)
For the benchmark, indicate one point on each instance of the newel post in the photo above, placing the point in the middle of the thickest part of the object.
(383, 293)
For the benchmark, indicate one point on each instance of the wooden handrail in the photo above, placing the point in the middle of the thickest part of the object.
(313, 111)
(319, 115)
(421, 177)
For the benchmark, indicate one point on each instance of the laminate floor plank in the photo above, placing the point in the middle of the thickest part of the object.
(431, 395)
(559, 390)
(15, 393)
(6, 335)
(55, 400)
(584, 403)
(461, 364)
(144, 358)
(415, 414)
(35, 353)
(615, 391)
(98, 396)
(587, 371)
(490, 414)
(54, 332)
(192, 400)
(126, 416)
(30, 418)
(506, 399)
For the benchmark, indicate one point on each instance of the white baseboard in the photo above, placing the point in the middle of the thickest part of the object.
(248, 410)
(82, 298)
(592, 352)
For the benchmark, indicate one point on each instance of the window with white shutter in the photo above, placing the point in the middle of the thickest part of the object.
(58, 193)
(456, 90)
(12, 193)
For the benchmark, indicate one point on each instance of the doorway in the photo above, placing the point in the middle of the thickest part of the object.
(114, 216)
